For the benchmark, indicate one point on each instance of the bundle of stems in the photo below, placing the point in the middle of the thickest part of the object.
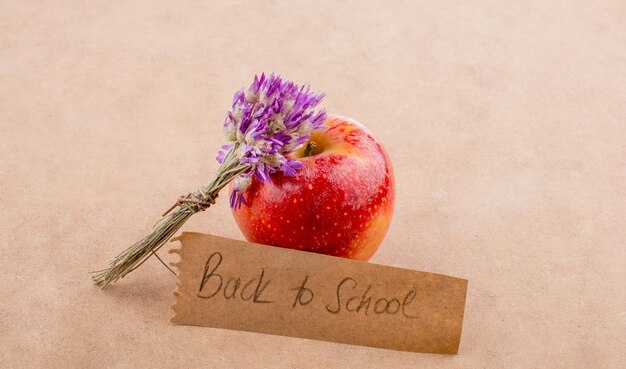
(171, 221)
(266, 123)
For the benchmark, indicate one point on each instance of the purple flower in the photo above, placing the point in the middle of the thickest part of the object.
(221, 155)
(269, 120)
(236, 197)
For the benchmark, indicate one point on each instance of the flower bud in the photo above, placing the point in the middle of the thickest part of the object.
(242, 183)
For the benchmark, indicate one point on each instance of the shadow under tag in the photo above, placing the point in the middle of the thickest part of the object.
(225, 283)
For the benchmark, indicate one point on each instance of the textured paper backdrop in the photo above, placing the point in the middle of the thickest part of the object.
(505, 122)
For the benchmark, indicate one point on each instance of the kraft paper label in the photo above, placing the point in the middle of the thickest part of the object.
(225, 283)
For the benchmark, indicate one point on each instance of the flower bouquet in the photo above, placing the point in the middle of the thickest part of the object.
(268, 121)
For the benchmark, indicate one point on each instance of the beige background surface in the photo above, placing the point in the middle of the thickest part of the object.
(505, 122)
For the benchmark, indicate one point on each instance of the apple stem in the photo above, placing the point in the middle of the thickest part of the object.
(309, 148)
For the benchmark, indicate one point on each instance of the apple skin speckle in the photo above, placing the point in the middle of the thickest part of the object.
(324, 209)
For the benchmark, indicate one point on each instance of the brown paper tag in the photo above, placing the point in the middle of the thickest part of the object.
(225, 283)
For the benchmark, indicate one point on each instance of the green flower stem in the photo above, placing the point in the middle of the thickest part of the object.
(186, 206)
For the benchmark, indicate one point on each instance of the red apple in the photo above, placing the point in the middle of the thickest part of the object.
(339, 204)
